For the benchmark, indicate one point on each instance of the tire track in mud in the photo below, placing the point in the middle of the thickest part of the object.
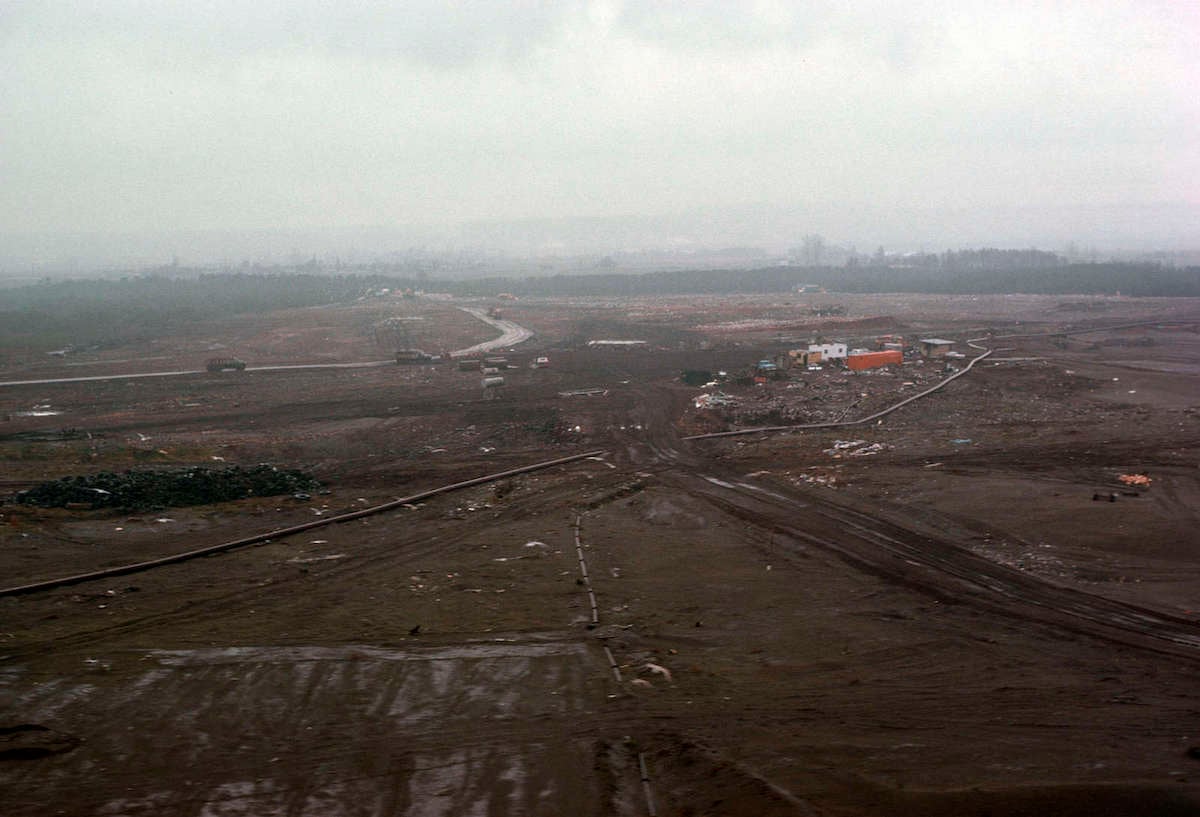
(946, 569)
(943, 569)
(271, 535)
(204, 604)
(522, 764)
(218, 722)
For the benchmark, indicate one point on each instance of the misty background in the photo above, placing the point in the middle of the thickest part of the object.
(631, 135)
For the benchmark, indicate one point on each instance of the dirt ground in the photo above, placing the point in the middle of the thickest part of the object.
(959, 609)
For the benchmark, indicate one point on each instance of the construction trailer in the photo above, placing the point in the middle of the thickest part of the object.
(804, 357)
(935, 347)
(469, 365)
(413, 356)
(873, 360)
(829, 351)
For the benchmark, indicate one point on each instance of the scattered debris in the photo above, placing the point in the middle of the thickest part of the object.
(658, 670)
(855, 448)
(1135, 479)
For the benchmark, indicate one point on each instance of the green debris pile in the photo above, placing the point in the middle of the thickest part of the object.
(148, 489)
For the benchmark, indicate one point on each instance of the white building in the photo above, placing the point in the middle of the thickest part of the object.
(829, 351)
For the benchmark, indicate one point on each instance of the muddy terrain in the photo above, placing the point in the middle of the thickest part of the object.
(959, 608)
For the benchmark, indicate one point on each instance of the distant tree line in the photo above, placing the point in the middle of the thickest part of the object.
(103, 312)
(1046, 278)
(986, 258)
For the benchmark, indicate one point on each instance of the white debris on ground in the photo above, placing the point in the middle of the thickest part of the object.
(855, 448)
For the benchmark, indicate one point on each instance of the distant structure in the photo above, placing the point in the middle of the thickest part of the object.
(413, 356)
(935, 347)
(617, 344)
(872, 360)
(220, 364)
(491, 387)
(829, 351)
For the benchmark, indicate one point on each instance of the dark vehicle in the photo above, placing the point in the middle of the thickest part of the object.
(220, 364)
(404, 356)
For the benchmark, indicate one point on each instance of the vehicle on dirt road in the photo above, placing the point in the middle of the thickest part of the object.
(221, 364)
(409, 356)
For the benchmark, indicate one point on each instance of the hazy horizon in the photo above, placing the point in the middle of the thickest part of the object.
(144, 132)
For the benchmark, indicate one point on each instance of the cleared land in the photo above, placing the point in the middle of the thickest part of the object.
(932, 615)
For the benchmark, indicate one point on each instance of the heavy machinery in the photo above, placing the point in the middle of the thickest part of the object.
(221, 364)
(410, 356)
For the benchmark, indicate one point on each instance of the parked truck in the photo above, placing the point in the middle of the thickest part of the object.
(410, 356)
(220, 364)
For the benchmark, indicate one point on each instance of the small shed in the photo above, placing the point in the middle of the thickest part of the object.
(935, 347)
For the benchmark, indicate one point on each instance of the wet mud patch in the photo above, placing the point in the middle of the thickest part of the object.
(484, 726)
(669, 509)
(30, 741)
(688, 777)
(1063, 800)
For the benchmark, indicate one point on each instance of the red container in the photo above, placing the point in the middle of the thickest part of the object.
(872, 360)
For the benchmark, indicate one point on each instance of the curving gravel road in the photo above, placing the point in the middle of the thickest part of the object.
(510, 335)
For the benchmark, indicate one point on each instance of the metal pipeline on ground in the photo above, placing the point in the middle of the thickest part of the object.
(843, 423)
(122, 570)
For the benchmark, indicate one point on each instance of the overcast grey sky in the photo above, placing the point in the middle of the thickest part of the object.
(158, 116)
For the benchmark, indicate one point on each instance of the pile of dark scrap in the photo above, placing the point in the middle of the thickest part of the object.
(148, 489)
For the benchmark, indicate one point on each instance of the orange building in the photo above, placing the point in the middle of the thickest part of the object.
(873, 360)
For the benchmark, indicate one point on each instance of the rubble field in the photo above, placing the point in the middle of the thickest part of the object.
(985, 602)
